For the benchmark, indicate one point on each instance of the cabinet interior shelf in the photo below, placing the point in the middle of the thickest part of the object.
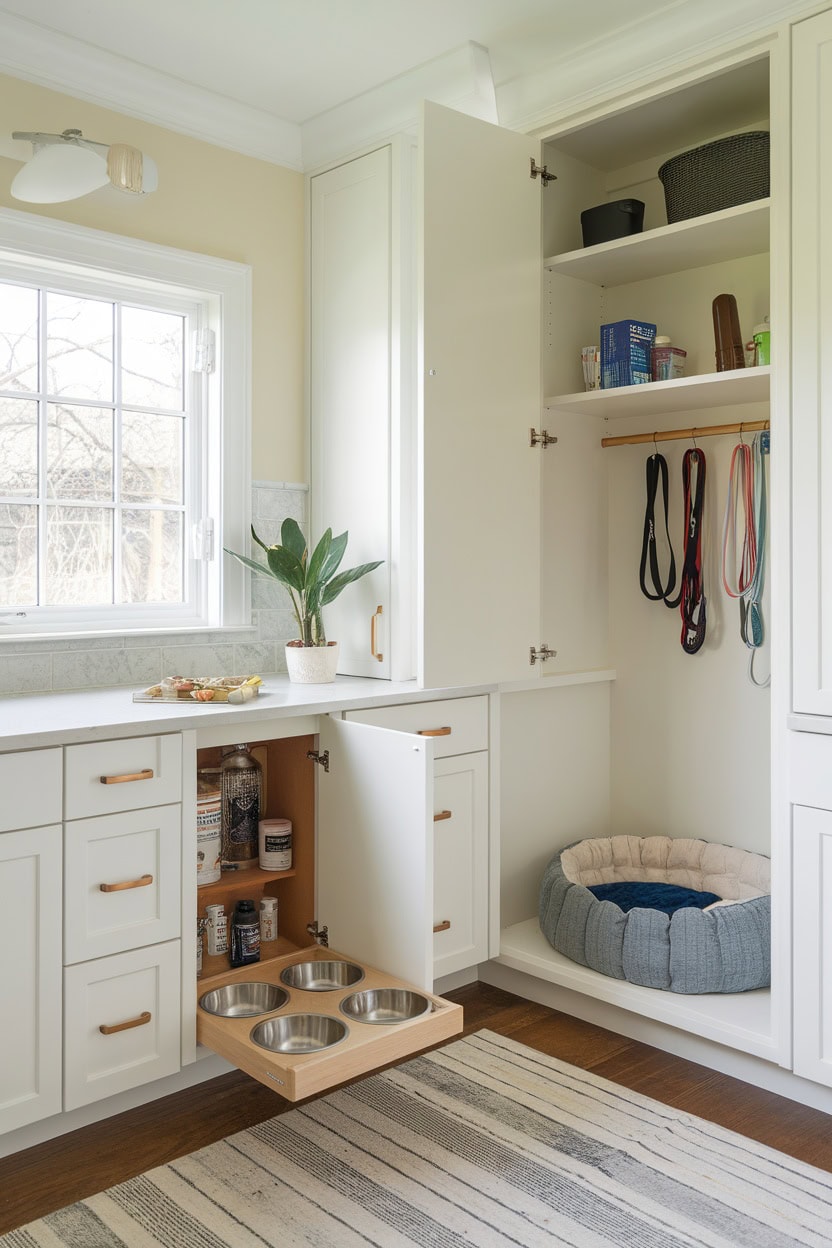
(682, 394)
(711, 239)
(249, 882)
(741, 1020)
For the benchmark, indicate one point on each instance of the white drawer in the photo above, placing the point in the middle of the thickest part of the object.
(460, 864)
(140, 989)
(106, 776)
(121, 881)
(30, 782)
(458, 725)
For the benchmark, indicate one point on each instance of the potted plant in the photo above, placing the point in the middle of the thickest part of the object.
(312, 582)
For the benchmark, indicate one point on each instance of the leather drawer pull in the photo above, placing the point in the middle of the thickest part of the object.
(443, 814)
(131, 1022)
(142, 882)
(442, 927)
(147, 774)
(435, 732)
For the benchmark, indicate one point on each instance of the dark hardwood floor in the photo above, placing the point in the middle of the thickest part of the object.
(73, 1166)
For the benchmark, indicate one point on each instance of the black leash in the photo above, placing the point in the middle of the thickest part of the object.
(691, 600)
(656, 469)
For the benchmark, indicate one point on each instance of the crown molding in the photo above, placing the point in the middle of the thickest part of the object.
(63, 63)
(460, 79)
(649, 47)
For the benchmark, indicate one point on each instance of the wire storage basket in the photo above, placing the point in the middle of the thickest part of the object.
(717, 175)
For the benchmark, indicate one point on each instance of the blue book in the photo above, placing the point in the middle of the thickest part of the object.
(625, 353)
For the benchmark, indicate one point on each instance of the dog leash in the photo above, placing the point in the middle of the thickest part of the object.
(691, 600)
(656, 470)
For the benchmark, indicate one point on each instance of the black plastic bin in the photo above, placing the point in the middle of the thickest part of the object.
(616, 219)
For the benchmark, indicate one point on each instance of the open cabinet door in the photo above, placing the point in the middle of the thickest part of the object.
(375, 847)
(480, 381)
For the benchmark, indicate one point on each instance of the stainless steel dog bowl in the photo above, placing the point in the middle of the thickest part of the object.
(244, 1000)
(385, 1005)
(299, 1033)
(322, 976)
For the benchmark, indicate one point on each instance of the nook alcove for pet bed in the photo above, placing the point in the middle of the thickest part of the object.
(665, 933)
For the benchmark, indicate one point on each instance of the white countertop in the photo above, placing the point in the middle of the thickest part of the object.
(39, 720)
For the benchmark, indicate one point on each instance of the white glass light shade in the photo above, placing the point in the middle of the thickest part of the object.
(58, 172)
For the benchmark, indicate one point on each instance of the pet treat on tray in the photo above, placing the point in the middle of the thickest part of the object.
(233, 689)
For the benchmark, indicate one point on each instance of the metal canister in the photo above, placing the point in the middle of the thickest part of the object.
(208, 827)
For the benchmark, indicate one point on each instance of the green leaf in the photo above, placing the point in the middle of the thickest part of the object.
(292, 538)
(316, 563)
(250, 563)
(343, 579)
(258, 540)
(286, 568)
(336, 554)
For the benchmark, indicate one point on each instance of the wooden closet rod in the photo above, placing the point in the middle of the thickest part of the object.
(672, 435)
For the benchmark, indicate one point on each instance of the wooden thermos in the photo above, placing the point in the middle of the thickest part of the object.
(727, 335)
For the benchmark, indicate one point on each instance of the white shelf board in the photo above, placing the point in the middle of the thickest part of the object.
(712, 239)
(740, 1020)
(682, 394)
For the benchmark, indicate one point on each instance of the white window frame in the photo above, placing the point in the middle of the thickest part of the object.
(218, 295)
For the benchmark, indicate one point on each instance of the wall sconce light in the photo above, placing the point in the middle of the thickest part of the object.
(67, 166)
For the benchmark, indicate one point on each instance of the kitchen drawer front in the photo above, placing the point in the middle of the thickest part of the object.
(106, 776)
(366, 1047)
(111, 992)
(460, 863)
(30, 782)
(458, 725)
(122, 885)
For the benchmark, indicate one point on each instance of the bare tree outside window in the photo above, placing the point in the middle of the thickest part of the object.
(92, 451)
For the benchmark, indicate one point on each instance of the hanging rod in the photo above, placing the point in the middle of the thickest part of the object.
(672, 435)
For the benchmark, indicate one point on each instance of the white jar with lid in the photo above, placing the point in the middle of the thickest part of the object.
(268, 919)
(275, 844)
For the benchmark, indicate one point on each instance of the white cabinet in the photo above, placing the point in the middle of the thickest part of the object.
(811, 375)
(812, 879)
(121, 1022)
(30, 782)
(361, 413)
(457, 900)
(129, 774)
(30, 971)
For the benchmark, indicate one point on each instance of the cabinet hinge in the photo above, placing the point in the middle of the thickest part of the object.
(321, 759)
(543, 438)
(321, 934)
(541, 655)
(541, 171)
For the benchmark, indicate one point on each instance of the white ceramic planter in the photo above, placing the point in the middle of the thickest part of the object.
(312, 665)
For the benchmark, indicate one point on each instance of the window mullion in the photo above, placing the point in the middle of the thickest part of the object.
(43, 430)
(117, 457)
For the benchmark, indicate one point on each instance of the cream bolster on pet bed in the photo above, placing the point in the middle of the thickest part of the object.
(725, 948)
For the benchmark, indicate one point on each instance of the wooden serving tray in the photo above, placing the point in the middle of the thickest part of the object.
(366, 1047)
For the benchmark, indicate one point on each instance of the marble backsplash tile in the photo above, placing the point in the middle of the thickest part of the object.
(88, 663)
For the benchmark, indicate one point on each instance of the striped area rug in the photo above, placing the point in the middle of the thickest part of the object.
(482, 1143)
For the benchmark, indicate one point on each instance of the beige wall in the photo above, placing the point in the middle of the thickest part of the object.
(213, 201)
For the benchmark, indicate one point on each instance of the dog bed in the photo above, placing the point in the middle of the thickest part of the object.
(723, 947)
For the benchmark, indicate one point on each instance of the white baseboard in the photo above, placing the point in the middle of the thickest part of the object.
(749, 1069)
(457, 979)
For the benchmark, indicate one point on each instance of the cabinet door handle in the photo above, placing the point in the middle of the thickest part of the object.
(141, 1021)
(442, 927)
(435, 732)
(147, 774)
(141, 882)
(374, 650)
(443, 814)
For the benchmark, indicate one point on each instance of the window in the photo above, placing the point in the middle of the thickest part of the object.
(123, 434)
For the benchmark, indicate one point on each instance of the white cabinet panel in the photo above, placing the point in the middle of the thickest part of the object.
(481, 394)
(121, 882)
(30, 782)
(106, 776)
(812, 365)
(456, 725)
(30, 976)
(375, 847)
(813, 943)
(135, 997)
(460, 863)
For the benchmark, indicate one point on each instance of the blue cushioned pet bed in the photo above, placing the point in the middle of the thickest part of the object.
(684, 915)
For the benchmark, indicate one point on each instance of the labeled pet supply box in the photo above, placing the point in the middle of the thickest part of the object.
(616, 219)
(717, 175)
(625, 353)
